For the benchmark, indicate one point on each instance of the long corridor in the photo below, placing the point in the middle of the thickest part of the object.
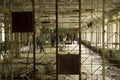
(91, 68)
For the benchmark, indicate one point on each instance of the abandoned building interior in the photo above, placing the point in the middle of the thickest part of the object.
(59, 39)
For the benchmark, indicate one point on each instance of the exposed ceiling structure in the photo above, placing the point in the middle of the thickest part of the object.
(68, 10)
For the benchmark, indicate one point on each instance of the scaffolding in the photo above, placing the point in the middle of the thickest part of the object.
(102, 38)
(97, 24)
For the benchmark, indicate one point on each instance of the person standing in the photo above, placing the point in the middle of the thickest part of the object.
(52, 39)
(72, 38)
(64, 40)
(60, 38)
(37, 42)
(30, 43)
(41, 42)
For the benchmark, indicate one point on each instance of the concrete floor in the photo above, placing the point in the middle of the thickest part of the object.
(46, 67)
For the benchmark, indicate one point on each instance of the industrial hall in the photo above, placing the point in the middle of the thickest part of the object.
(59, 39)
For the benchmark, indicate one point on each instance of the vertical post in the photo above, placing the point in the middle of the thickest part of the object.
(91, 52)
(11, 71)
(103, 46)
(112, 33)
(80, 38)
(3, 64)
(96, 36)
(56, 4)
(99, 34)
(85, 34)
(107, 34)
(33, 17)
(119, 33)
(117, 30)
(116, 36)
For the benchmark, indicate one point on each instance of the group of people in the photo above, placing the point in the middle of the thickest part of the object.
(67, 37)
(40, 40)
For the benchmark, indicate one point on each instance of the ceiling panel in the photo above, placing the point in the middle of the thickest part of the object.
(68, 10)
